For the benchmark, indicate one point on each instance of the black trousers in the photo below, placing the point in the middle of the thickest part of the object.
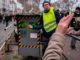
(44, 42)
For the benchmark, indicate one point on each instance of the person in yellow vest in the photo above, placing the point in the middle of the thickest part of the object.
(48, 22)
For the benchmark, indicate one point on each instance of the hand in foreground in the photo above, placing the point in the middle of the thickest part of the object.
(64, 24)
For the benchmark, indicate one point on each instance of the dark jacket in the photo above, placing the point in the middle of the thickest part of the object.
(74, 22)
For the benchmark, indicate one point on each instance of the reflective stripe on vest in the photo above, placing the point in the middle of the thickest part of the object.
(49, 20)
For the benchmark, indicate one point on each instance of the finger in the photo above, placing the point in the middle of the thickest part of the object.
(68, 19)
(65, 18)
(62, 19)
(65, 21)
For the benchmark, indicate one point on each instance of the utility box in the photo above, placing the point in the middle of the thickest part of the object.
(29, 38)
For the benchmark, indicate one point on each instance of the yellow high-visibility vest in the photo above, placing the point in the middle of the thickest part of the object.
(49, 20)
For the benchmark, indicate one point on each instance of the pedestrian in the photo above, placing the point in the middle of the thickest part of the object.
(54, 50)
(1, 17)
(7, 20)
(48, 22)
(75, 27)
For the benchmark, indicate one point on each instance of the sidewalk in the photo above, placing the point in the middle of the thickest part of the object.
(5, 34)
(12, 54)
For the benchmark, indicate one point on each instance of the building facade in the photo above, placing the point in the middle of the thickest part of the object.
(1, 6)
(7, 7)
(30, 6)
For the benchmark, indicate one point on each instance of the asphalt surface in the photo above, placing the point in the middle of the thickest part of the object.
(5, 34)
(71, 52)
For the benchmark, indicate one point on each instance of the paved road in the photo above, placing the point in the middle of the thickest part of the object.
(72, 54)
(5, 34)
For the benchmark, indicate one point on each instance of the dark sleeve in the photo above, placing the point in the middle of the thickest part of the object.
(72, 24)
(58, 17)
(40, 25)
(1, 17)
